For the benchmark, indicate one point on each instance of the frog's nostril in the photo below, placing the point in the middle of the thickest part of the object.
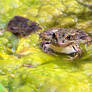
(60, 43)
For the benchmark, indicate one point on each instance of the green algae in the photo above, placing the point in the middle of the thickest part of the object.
(23, 65)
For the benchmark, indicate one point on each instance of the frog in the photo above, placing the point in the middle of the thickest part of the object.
(64, 41)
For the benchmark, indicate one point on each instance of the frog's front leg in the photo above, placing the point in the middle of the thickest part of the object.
(76, 55)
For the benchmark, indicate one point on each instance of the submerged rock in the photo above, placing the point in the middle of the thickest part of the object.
(22, 26)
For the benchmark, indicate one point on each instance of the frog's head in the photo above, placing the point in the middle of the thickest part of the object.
(66, 39)
(69, 43)
(62, 43)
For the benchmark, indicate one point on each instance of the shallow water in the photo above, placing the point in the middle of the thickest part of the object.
(36, 71)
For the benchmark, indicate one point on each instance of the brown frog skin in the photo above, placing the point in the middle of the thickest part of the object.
(64, 40)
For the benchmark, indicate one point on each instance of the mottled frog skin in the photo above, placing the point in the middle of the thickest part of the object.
(63, 40)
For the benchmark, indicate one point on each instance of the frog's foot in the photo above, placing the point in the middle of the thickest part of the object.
(75, 56)
(71, 58)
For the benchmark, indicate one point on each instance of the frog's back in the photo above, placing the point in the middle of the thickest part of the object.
(75, 34)
(50, 32)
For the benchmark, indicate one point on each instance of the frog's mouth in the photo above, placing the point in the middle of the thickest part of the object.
(67, 50)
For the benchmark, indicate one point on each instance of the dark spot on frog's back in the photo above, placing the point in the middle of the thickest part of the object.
(22, 26)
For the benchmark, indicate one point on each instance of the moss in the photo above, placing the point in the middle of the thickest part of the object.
(23, 65)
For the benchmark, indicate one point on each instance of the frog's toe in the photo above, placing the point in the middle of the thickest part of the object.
(73, 58)
(70, 58)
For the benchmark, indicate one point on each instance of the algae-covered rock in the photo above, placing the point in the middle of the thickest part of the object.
(2, 89)
(21, 26)
(23, 65)
(52, 77)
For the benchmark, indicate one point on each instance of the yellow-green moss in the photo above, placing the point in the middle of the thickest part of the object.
(23, 65)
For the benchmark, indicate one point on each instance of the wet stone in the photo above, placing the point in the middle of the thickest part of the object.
(22, 26)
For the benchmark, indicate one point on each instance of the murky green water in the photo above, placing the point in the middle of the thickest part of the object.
(46, 73)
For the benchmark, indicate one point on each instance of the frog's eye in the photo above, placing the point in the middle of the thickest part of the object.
(68, 37)
(54, 35)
